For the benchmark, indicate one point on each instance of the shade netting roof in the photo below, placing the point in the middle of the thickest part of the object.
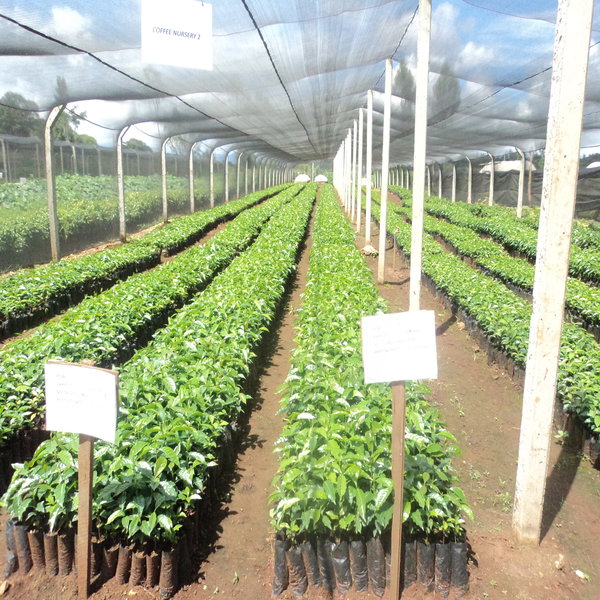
(289, 76)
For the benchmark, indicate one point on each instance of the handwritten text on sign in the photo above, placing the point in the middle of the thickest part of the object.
(81, 399)
(399, 346)
(177, 33)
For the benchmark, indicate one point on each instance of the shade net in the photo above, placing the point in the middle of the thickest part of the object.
(287, 82)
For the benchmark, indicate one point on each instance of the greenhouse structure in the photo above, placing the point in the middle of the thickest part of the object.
(300, 299)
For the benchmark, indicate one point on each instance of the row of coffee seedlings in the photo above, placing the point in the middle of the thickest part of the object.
(30, 296)
(109, 327)
(582, 299)
(87, 211)
(333, 497)
(584, 263)
(500, 319)
(181, 397)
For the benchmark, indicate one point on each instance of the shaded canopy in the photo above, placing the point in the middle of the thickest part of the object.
(289, 77)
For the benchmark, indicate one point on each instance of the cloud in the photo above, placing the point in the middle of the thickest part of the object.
(474, 57)
(70, 25)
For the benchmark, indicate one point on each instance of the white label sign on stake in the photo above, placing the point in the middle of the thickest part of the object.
(177, 33)
(399, 346)
(81, 399)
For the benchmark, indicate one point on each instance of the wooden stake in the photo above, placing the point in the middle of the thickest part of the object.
(84, 517)
(398, 426)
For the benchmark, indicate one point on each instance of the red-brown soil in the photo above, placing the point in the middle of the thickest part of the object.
(481, 406)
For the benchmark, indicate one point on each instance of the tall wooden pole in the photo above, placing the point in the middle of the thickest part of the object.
(416, 252)
(211, 178)
(50, 181)
(353, 169)
(422, 79)
(492, 175)
(191, 179)
(237, 174)
(163, 166)
(369, 169)
(469, 181)
(569, 71)
(121, 185)
(453, 182)
(521, 188)
(359, 170)
(385, 162)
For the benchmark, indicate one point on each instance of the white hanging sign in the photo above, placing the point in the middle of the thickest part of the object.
(177, 33)
(81, 399)
(399, 346)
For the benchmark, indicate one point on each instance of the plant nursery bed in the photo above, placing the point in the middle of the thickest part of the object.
(480, 404)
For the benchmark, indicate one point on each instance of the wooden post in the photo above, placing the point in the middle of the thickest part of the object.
(439, 180)
(98, 157)
(163, 167)
(492, 174)
(529, 177)
(554, 238)
(237, 175)
(420, 145)
(453, 182)
(226, 178)
(353, 169)
(50, 181)
(121, 185)
(398, 426)
(359, 170)
(469, 181)
(191, 179)
(369, 168)
(211, 178)
(84, 517)
(74, 155)
(385, 162)
(522, 182)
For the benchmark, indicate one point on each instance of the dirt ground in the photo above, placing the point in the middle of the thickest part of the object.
(481, 406)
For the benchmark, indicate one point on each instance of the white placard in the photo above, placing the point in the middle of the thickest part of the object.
(177, 33)
(399, 346)
(81, 399)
